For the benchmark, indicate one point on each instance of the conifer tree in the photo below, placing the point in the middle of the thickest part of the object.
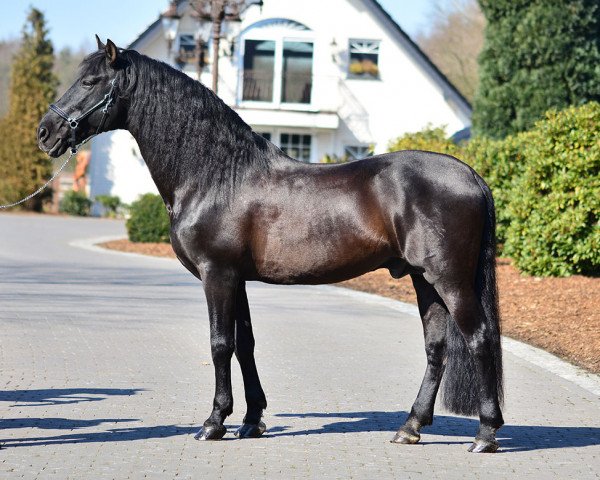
(33, 86)
(537, 55)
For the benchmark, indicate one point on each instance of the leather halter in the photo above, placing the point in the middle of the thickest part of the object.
(106, 102)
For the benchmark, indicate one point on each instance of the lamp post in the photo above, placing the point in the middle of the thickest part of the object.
(217, 12)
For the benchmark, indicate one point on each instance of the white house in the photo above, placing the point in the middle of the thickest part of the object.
(316, 77)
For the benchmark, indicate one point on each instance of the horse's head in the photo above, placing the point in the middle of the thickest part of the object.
(93, 104)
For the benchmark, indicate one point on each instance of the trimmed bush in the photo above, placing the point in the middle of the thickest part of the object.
(500, 163)
(75, 203)
(110, 205)
(430, 139)
(149, 221)
(555, 205)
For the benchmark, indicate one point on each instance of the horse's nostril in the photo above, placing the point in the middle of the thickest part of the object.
(42, 134)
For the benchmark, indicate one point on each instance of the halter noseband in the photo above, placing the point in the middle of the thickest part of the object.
(106, 102)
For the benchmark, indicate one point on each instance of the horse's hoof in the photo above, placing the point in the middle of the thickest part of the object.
(483, 446)
(212, 432)
(251, 431)
(405, 437)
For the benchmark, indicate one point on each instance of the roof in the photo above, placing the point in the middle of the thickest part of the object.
(145, 33)
(412, 48)
(419, 54)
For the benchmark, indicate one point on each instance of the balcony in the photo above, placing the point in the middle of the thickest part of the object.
(258, 86)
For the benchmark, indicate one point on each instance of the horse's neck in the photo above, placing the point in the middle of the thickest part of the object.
(188, 138)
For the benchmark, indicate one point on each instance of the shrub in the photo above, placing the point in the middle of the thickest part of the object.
(500, 163)
(110, 204)
(149, 221)
(555, 207)
(431, 139)
(332, 158)
(75, 203)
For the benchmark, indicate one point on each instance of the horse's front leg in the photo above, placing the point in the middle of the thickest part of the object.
(220, 288)
(244, 351)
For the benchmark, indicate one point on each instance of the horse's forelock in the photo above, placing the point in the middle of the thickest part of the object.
(93, 64)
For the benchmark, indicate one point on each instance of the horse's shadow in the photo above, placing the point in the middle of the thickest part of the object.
(512, 438)
(61, 396)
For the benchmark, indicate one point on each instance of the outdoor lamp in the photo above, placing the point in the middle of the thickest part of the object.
(170, 24)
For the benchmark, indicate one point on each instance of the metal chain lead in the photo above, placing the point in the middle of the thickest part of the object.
(28, 197)
(56, 174)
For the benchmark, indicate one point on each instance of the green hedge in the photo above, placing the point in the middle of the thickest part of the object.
(110, 204)
(149, 221)
(75, 203)
(430, 139)
(555, 206)
(500, 163)
(546, 186)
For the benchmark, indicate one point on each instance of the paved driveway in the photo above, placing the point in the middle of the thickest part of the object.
(105, 372)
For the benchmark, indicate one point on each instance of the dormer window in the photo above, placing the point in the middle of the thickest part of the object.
(187, 45)
(364, 59)
(277, 62)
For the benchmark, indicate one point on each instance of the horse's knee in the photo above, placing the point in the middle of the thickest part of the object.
(221, 350)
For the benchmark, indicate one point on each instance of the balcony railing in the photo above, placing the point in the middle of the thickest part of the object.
(258, 87)
(296, 88)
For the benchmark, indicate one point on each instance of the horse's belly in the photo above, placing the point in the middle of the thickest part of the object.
(289, 259)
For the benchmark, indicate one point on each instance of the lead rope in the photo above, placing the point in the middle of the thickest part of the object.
(56, 174)
(73, 124)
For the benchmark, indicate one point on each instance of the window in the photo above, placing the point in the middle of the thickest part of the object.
(357, 152)
(259, 70)
(265, 135)
(296, 145)
(278, 71)
(364, 59)
(187, 46)
(296, 79)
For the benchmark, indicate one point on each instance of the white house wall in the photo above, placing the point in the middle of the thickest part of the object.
(126, 175)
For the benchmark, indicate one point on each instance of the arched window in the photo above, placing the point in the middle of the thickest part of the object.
(276, 66)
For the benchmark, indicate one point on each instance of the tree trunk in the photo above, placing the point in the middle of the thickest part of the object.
(218, 15)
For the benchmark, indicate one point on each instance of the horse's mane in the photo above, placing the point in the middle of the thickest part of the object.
(196, 136)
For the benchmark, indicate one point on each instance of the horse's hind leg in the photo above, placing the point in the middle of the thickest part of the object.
(467, 311)
(244, 350)
(434, 316)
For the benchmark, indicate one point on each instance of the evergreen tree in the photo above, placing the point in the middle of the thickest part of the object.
(33, 86)
(537, 55)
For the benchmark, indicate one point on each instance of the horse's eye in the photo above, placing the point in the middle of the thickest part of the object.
(87, 83)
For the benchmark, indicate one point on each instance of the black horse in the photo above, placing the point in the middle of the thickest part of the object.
(242, 210)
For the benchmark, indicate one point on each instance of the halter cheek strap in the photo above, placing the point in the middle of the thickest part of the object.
(106, 102)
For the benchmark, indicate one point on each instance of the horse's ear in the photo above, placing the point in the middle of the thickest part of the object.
(101, 46)
(112, 52)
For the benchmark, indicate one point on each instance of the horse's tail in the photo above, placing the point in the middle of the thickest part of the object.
(460, 391)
